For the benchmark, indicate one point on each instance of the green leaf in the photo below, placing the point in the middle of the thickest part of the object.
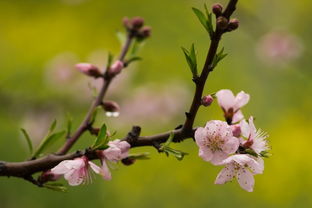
(191, 59)
(109, 59)
(121, 37)
(140, 156)
(29, 143)
(55, 187)
(102, 138)
(49, 140)
(136, 46)
(168, 150)
(251, 152)
(69, 124)
(133, 59)
(52, 127)
(206, 21)
(218, 57)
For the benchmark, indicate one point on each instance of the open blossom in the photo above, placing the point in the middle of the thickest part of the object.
(116, 151)
(75, 171)
(243, 167)
(216, 141)
(231, 105)
(256, 139)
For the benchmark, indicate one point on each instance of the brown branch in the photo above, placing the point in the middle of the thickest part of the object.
(86, 122)
(201, 80)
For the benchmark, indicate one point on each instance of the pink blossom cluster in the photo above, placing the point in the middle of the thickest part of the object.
(77, 171)
(235, 144)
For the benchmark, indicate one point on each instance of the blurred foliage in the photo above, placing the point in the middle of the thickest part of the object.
(40, 38)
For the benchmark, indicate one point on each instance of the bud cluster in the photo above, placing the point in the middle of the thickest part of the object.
(136, 28)
(222, 22)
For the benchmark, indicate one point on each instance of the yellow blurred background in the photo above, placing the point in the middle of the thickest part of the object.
(269, 58)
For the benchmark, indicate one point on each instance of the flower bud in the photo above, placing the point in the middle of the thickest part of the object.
(112, 108)
(128, 161)
(217, 9)
(137, 23)
(49, 176)
(126, 22)
(236, 130)
(222, 23)
(146, 31)
(89, 69)
(207, 100)
(116, 68)
(233, 25)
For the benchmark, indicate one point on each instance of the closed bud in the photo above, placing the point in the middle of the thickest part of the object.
(137, 23)
(222, 23)
(116, 68)
(207, 100)
(89, 69)
(233, 25)
(48, 176)
(146, 31)
(217, 9)
(126, 22)
(128, 161)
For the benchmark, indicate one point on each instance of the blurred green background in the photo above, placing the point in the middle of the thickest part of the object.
(40, 41)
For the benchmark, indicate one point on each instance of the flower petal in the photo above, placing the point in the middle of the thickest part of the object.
(245, 179)
(241, 99)
(226, 174)
(231, 145)
(256, 165)
(226, 99)
(205, 153)
(218, 157)
(74, 177)
(95, 168)
(245, 128)
(237, 117)
(201, 137)
(105, 171)
(61, 168)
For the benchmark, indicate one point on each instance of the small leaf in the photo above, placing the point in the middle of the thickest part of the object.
(69, 124)
(136, 46)
(168, 150)
(29, 143)
(191, 59)
(205, 21)
(251, 152)
(140, 156)
(218, 57)
(133, 59)
(121, 37)
(49, 140)
(109, 59)
(102, 138)
(52, 127)
(55, 187)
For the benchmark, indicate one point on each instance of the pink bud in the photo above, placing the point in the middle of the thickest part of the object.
(146, 32)
(137, 22)
(89, 69)
(207, 100)
(116, 68)
(111, 106)
(233, 25)
(236, 130)
(49, 176)
(222, 23)
(217, 9)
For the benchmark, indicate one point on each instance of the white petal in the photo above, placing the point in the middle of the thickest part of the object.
(245, 128)
(241, 99)
(95, 168)
(245, 179)
(218, 157)
(231, 145)
(225, 175)
(201, 136)
(60, 168)
(205, 153)
(74, 177)
(105, 171)
(237, 117)
(256, 165)
(226, 99)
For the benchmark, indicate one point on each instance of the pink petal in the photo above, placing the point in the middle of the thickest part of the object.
(95, 168)
(231, 145)
(225, 175)
(237, 117)
(205, 153)
(241, 99)
(74, 177)
(256, 165)
(201, 137)
(245, 128)
(112, 153)
(252, 128)
(226, 99)
(245, 179)
(218, 157)
(105, 171)
(60, 168)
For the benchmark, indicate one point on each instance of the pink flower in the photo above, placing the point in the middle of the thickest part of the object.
(256, 139)
(89, 69)
(117, 150)
(216, 141)
(243, 167)
(207, 100)
(74, 171)
(231, 105)
(116, 67)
